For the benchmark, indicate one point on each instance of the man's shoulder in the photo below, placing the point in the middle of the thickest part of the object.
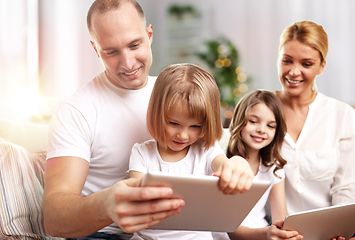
(153, 78)
(151, 81)
(87, 92)
(98, 90)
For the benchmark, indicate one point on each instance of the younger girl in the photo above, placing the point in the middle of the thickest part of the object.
(184, 119)
(257, 132)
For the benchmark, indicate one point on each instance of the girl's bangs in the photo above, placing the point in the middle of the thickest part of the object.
(193, 104)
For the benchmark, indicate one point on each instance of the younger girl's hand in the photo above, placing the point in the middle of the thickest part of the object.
(343, 238)
(275, 232)
(235, 175)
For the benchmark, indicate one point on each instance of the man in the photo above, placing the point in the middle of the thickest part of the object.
(91, 135)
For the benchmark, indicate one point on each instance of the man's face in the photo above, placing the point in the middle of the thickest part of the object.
(122, 42)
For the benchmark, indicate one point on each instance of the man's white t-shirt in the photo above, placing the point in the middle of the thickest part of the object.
(100, 123)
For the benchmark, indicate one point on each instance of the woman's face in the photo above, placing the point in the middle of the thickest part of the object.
(298, 65)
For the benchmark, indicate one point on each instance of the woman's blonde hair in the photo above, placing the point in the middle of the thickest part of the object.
(309, 33)
(270, 154)
(195, 88)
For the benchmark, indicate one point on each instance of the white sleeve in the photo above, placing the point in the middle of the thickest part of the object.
(69, 134)
(343, 188)
(137, 161)
(280, 173)
(211, 154)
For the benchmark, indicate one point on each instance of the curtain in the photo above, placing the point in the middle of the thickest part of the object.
(45, 47)
(18, 51)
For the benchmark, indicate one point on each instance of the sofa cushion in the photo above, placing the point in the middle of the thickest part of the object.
(32, 136)
(21, 178)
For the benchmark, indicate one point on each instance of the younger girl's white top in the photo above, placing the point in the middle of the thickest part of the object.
(256, 217)
(320, 169)
(145, 157)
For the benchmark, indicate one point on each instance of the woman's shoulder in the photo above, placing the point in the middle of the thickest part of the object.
(332, 102)
(332, 107)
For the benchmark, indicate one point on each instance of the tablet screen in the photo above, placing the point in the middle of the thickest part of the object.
(206, 207)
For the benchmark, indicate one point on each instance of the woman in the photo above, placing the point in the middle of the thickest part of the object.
(320, 142)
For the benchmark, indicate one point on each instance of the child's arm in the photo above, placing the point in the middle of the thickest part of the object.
(235, 174)
(278, 209)
(137, 161)
(270, 232)
(136, 175)
(277, 200)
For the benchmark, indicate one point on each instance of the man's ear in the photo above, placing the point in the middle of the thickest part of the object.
(93, 45)
(150, 33)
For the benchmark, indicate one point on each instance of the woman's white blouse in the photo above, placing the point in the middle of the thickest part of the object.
(320, 169)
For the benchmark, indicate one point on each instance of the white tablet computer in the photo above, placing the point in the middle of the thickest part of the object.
(206, 208)
(323, 223)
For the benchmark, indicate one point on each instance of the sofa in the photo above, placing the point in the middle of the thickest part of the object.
(22, 160)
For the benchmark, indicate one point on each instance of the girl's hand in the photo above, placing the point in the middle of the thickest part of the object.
(235, 175)
(343, 238)
(275, 232)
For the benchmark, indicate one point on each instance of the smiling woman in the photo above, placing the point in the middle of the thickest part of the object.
(320, 139)
(299, 64)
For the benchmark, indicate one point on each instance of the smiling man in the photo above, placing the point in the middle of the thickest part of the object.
(122, 41)
(91, 135)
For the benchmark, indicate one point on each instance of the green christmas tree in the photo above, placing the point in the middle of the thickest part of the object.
(222, 59)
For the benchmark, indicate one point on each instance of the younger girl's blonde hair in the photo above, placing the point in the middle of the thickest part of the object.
(193, 87)
(270, 154)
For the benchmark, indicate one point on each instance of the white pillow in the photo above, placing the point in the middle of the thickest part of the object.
(21, 190)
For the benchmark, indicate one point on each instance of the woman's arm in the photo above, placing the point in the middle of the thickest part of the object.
(343, 187)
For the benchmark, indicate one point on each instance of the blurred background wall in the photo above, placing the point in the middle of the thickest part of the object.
(45, 53)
